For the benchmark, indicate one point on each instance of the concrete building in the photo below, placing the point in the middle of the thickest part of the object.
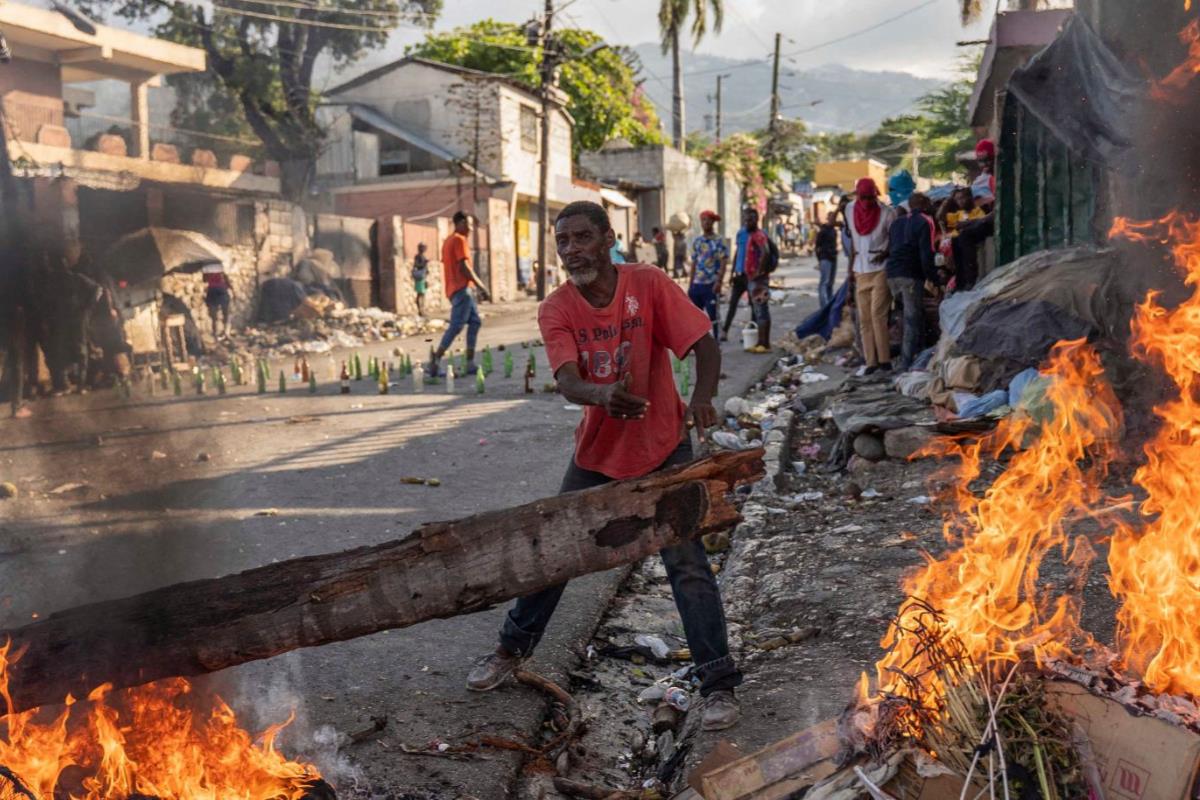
(663, 182)
(1015, 37)
(419, 139)
(136, 175)
(845, 174)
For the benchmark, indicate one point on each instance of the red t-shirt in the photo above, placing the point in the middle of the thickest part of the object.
(454, 251)
(648, 316)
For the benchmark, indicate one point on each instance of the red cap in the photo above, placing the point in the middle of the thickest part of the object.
(709, 214)
(866, 187)
(986, 148)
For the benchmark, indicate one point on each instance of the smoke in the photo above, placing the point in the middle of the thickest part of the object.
(269, 693)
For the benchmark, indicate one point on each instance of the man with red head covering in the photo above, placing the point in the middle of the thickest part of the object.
(870, 222)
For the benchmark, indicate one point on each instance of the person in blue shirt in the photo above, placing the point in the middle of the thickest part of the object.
(618, 251)
(710, 255)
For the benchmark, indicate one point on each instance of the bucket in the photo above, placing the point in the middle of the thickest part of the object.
(749, 336)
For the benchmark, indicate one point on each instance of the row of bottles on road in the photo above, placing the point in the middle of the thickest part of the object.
(383, 373)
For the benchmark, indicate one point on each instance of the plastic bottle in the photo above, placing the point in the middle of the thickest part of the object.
(450, 378)
(678, 698)
(418, 377)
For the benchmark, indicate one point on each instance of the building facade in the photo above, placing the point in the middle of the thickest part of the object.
(419, 139)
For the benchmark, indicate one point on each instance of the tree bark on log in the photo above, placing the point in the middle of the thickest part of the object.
(440, 570)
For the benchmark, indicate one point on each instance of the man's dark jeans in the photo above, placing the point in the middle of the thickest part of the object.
(911, 293)
(825, 290)
(696, 596)
(738, 286)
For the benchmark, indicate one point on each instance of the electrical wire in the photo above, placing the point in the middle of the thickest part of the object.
(860, 32)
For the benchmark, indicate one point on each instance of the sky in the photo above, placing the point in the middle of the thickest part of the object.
(921, 42)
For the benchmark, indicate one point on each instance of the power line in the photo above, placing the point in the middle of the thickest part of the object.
(311, 23)
(860, 32)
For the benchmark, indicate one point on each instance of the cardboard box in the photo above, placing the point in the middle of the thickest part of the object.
(1138, 757)
(777, 770)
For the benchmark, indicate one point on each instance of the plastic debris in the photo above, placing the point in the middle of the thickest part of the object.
(656, 644)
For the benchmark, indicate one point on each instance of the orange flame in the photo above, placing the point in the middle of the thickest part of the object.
(1155, 570)
(145, 741)
(1171, 88)
(986, 587)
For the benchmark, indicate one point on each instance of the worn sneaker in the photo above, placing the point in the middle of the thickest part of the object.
(721, 710)
(491, 671)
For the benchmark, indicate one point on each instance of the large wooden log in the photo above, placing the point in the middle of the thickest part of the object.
(440, 570)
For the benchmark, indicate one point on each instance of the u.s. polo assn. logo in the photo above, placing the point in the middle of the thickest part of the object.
(631, 305)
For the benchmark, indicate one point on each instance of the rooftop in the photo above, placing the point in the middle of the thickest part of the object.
(39, 34)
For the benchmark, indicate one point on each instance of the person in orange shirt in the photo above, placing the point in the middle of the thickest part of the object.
(458, 276)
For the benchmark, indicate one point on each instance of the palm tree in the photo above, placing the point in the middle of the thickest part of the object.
(672, 14)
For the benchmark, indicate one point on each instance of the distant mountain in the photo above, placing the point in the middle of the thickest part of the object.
(850, 99)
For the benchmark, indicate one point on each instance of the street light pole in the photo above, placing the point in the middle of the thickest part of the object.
(548, 66)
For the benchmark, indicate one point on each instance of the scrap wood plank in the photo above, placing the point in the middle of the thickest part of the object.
(779, 769)
(440, 570)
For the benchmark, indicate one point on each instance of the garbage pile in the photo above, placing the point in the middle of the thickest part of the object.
(341, 328)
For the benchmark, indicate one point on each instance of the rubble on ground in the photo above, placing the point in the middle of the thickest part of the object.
(342, 328)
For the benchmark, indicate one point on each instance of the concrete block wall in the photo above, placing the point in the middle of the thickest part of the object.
(243, 280)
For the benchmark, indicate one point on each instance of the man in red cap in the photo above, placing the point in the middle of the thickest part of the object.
(710, 255)
(870, 223)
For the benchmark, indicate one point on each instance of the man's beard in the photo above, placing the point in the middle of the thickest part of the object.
(584, 277)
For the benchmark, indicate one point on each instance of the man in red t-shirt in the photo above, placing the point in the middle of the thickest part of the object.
(608, 332)
(459, 277)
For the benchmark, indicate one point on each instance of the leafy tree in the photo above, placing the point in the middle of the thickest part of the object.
(672, 16)
(928, 142)
(604, 96)
(261, 60)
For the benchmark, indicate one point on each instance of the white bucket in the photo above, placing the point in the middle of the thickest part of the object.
(749, 336)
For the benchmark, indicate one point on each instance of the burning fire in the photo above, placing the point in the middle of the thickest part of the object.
(986, 588)
(1155, 569)
(146, 742)
(984, 595)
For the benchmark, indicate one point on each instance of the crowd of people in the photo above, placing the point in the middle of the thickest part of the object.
(908, 254)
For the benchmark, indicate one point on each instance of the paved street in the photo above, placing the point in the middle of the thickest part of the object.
(175, 486)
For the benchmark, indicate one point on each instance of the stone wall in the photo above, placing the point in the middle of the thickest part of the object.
(243, 281)
(280, 236)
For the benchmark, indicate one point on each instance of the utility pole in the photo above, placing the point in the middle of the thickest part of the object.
(772, 126)
(720, 175)
(548, 67)
(775, 87)
(719, 78)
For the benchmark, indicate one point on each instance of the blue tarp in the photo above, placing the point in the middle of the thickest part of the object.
(826, 320)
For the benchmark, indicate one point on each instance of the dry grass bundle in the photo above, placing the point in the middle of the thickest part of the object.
(990, 724)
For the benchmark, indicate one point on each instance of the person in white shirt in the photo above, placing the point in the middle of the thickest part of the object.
(869, 222)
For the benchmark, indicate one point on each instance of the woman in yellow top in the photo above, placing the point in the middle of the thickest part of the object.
(964, 201)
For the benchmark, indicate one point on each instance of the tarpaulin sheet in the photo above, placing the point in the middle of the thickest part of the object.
(1021, 332)
(1078, 89)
